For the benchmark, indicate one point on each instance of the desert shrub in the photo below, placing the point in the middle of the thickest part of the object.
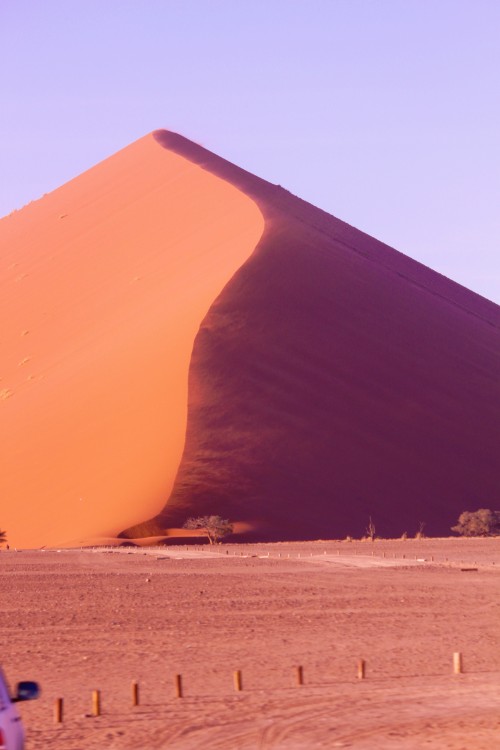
(214, 527)
(420, 533)
(482, 522)
(3, 537)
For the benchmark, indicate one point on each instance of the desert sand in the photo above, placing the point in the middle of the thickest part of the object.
(84, 620)
(184, 338)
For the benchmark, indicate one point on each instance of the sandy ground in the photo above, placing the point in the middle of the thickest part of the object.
(83, 620)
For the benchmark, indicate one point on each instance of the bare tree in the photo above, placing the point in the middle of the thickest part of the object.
(370, 530)
(215, 527)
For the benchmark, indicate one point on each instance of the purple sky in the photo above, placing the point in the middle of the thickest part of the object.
(385, 113)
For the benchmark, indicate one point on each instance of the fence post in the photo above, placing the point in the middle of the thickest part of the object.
(96, 703)
(178, 686)
(58, 711)
(300, 675)
(238, 681)
(135, 693)
(361, 669)
(457, 663)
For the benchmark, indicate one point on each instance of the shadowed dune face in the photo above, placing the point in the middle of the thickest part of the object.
(104, 284)
(335, 379)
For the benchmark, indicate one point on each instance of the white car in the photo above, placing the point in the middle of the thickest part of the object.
(11, 726)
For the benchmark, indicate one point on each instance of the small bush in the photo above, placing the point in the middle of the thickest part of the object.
(482, 522)
(419, 534)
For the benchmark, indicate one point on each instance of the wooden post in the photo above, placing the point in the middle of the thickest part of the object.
(135, 693)
(361, 669)
(238, 682)
(457, 663)
(178, 686)
(58, 711)
(300, 675)
(96, 703)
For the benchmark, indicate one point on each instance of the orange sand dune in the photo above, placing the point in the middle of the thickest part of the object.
(333, 380)
(103, 286)
(326, 377)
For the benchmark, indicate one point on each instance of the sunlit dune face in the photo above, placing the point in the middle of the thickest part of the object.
(104, 284)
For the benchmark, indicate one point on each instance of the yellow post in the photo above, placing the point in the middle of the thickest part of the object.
(96, 703)
(361, 669)
(135, 693)
(178, 686)
(238, 682)
(300, 675)
(58, 711)
(457, 663)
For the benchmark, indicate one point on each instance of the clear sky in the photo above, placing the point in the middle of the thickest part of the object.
(385, 113)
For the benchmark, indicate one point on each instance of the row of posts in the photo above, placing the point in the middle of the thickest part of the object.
(355, 552)
(237, 681)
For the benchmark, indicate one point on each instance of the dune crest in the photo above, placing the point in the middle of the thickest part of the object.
(104, 283)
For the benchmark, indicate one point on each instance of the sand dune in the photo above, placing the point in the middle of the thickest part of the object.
(336, 379)
(104, 284)
(331, 378)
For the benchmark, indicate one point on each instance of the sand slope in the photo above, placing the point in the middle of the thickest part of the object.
(103, 286)
(336, 379)
(331, 378)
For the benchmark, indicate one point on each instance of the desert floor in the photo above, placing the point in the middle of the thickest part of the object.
(83, 620)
